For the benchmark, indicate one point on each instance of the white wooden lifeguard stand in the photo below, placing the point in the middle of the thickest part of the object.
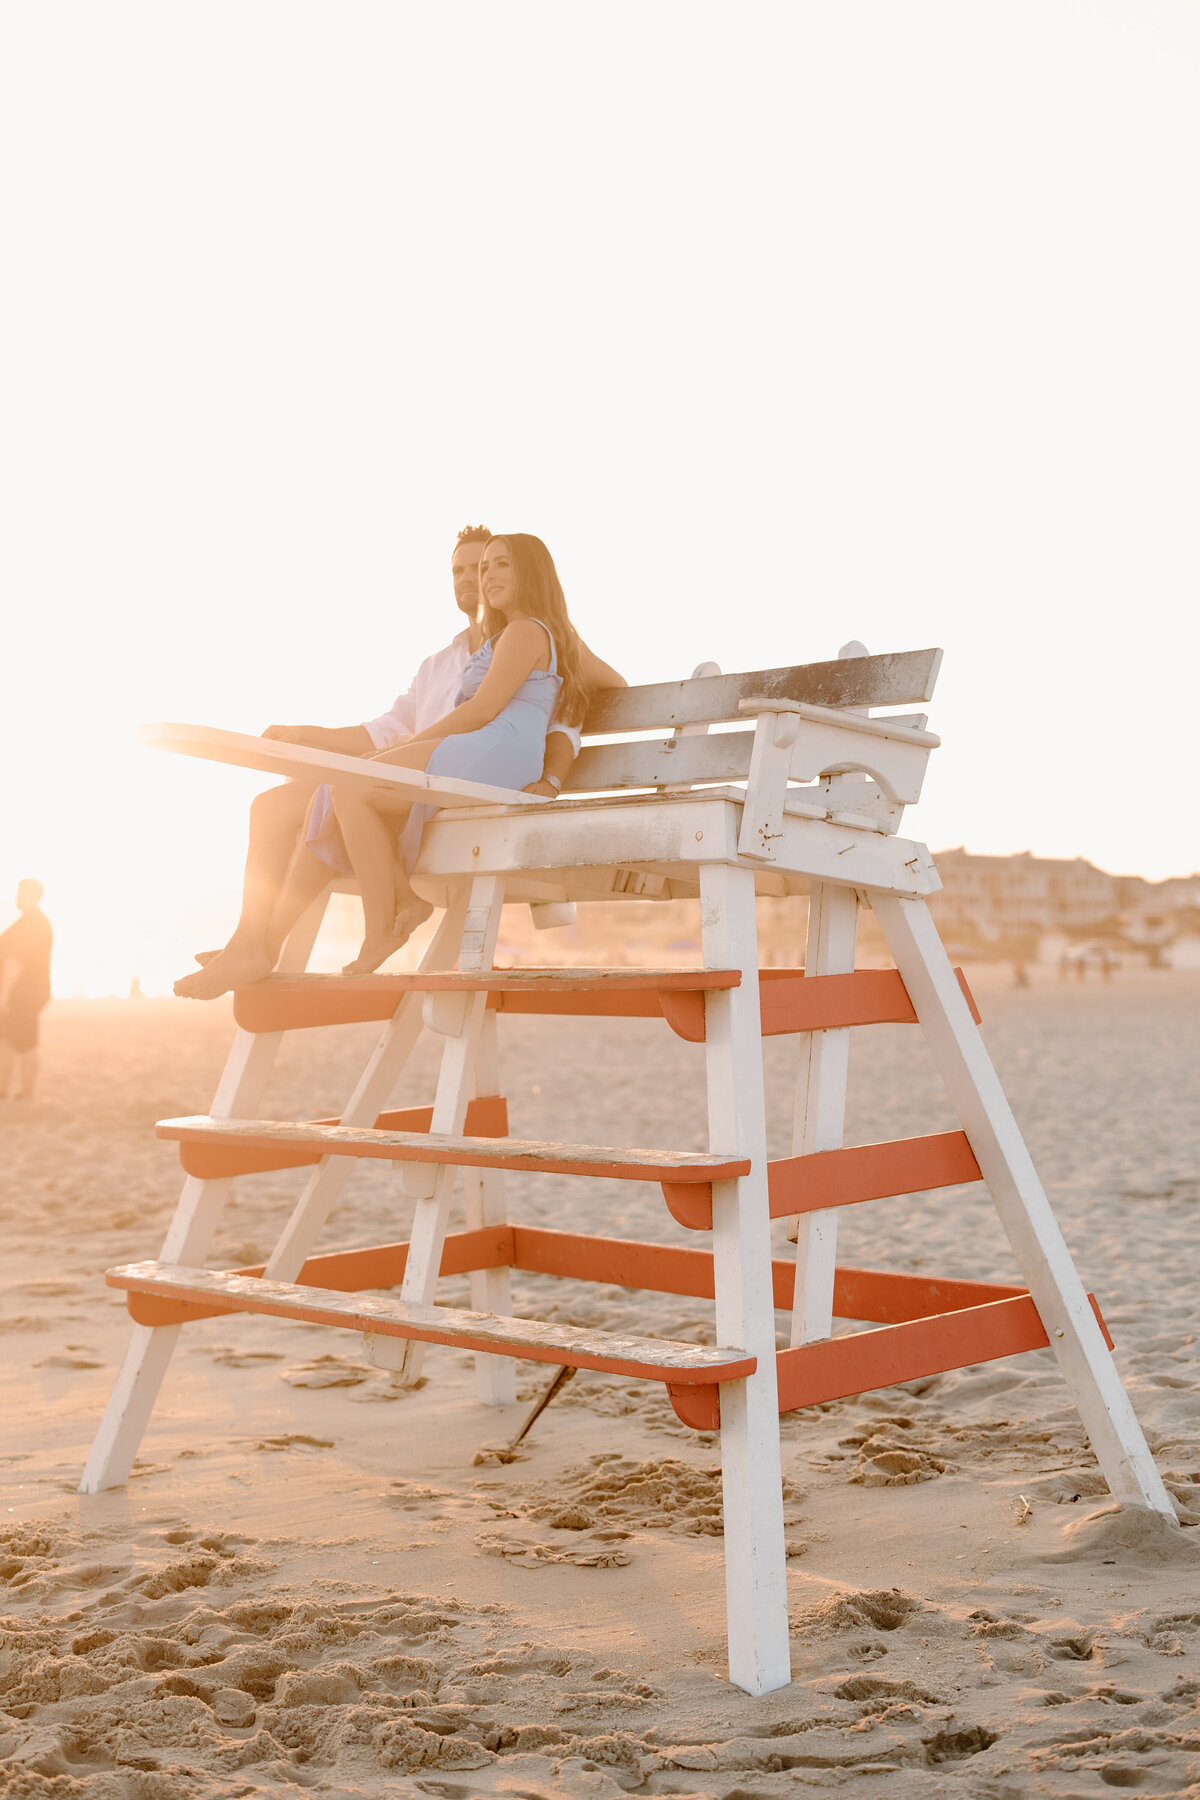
(808, 799)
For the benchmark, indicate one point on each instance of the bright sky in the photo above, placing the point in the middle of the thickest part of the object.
(782, 324)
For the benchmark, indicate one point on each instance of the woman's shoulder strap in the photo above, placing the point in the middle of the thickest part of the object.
(553, 645)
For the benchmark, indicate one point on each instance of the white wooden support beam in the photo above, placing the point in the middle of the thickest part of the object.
(481, 926)
(766, 785)
(370, 1096)
(444, 1014)
(752, 1487)
(1033, 1232)
(821, 1108)
(197, 1212)
(484, 1194)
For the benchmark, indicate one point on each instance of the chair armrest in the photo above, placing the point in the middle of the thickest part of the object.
(847, 721)
(298, 760)
(794, 741)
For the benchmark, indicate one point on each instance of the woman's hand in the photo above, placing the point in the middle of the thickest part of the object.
(541, 787)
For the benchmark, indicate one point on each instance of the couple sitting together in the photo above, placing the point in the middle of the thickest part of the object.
(502, 703)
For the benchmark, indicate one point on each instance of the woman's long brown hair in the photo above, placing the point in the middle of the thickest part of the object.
(540, 594)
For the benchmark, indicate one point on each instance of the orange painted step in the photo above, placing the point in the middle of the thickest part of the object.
(828, 1178)
(813, 1374)
(873, 1294)
(293, 1002)
(941, 1323)
(789, 1000)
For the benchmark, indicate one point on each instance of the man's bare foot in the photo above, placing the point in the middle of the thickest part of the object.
(230, 968)
(376, 950)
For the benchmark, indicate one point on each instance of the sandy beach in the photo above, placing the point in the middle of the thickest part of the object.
(310, 1586)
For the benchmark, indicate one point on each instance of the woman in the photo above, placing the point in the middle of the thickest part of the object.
(532, 666)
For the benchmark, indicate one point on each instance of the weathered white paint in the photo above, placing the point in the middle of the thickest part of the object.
(148, 1355)
(892, 679)
(484, 1196)
(1042, 1256)
(819, 1123)
(667, 833)
(370, 1097)
(481, 925)
(766, 788)
(752, 1487)
(387, 1321)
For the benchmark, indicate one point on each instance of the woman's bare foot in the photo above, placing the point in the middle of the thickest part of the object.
(411, 913)
(204, 957)
(230, 968)
(376, 950)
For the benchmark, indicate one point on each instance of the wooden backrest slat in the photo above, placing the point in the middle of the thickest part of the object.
(898, 678)
(661, 762)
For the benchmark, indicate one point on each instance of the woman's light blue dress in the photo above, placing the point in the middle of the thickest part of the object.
(508, 752)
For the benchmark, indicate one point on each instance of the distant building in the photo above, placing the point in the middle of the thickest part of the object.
(1001, 905)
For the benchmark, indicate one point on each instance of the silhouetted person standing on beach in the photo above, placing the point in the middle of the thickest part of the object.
(24, 988)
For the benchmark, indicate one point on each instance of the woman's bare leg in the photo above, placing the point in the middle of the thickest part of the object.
(391, 911)
(369, 824)
(253, 950)
(277, 818)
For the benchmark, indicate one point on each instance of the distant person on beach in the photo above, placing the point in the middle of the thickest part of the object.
(24, 988)
(279, 850)
(531, 668)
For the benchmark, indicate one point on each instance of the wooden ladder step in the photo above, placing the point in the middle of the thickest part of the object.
(827, 1178)
(487, 1116)
(683, 1167)
(652, 1359)
(789, 1001)
(836, 1368)
(293, 1002)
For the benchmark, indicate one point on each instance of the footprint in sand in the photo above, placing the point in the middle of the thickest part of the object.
(660, 1494)
(326, 1372)
(230, 1357)
(888, 1458)
(292, 1440)
(592, 1552)
(879, 1609)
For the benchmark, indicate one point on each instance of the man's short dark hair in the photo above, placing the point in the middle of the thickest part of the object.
(472, 534)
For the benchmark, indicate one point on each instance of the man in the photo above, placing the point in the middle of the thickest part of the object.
(24, 988)
(277, 817)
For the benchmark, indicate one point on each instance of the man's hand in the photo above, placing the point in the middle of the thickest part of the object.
(289, 734)
(342, 740)
(541, 787)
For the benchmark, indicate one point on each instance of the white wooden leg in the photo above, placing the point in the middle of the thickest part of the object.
(491, 1289)
(239, 1095)
(755, 1559)
(1045, 1262)
(821, 1107)
(370, 1096)
(480, 929)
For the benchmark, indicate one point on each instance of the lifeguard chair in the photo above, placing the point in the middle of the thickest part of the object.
(807, 798)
